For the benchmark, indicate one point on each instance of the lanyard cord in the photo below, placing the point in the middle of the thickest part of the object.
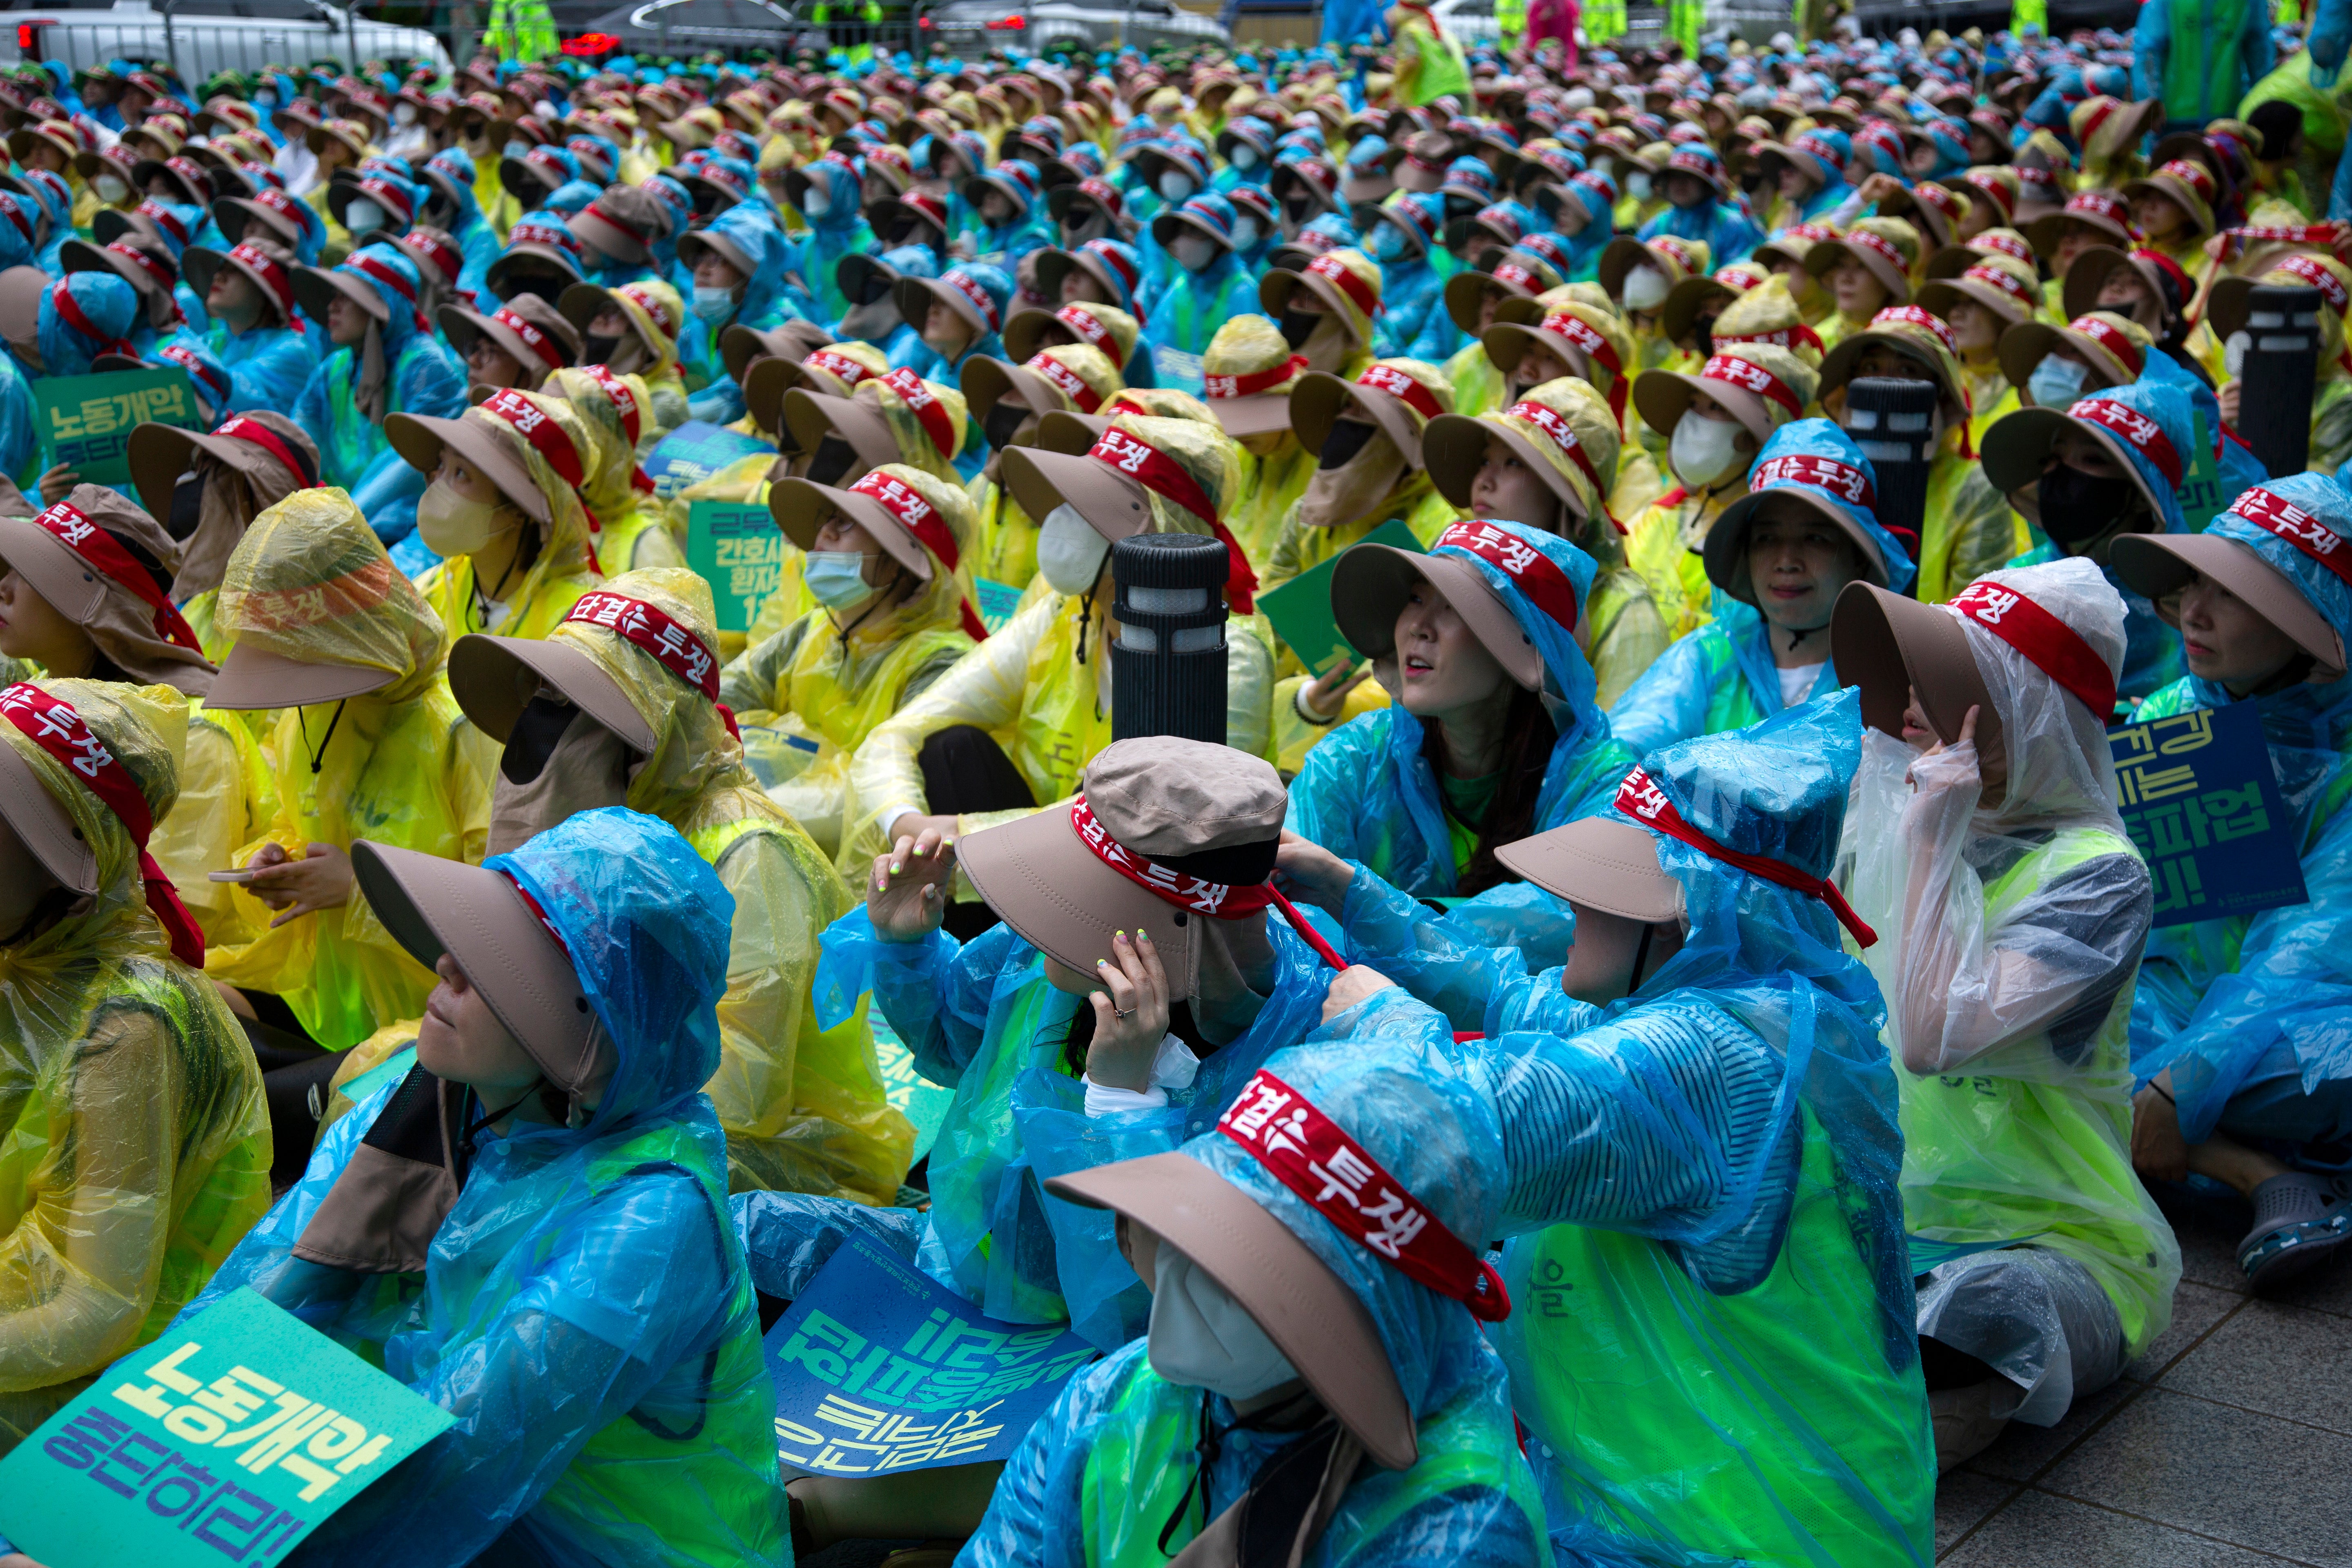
(319, 757)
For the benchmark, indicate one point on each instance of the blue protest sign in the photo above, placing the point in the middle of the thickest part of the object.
(878, 1368)
(2198, 798)
(230, 1437)
(694, 452)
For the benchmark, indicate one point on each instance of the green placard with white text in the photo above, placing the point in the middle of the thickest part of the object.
(85, 421)
(228, 1439)
(741, 553)
(1300, 610)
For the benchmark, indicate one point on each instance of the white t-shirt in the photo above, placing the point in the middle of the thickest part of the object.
(1797, 682)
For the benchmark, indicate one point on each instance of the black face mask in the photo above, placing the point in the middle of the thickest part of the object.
(1297, 207)
(537, 729)
(187, 505)
(1002, 420)
(1297, 326)
(1703, 331)
(599, 351)
(878, 288)
(1346, 438)
(547, 287)
(2077, 508)
(835, 457)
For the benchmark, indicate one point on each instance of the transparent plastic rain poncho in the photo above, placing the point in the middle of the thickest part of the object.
(309, 581)
(1367, 792)
(420, 376)
(535, 601)
(2215, 996)
(138, 1144)
(1110, 1463)
(628, 527)
(1041, 683)
(1704, 1183)
(802, 1103)
(806, 697)
(2008, 1001)
(584, 1310)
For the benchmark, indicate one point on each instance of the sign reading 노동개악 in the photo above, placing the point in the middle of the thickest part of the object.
(738, 549)
(2200, 800)
(879, 1368)
(227, 1440)
(85, 421)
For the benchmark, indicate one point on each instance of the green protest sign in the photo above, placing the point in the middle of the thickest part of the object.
(2200, 487)
(741, 553)
(1300, 610)
(912, 1095)
(997, 602)
(85, 421)
(231, 1437)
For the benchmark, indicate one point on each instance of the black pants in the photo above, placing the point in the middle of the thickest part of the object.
(965, 769)
(294, 1071)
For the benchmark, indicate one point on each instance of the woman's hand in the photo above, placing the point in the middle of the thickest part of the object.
(322, 879)
(2228, 397)
(1957, 768)
(1314, 873)
(1321, 700)
(1355, 982)
(906, 897)
(1877, 188)
(57, 484)
(1130, 1014)
(2158, 1152)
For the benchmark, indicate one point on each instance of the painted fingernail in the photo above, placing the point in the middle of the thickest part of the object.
(1144, 937)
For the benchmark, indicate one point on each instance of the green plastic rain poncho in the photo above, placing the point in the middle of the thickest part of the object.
(310, 581)
(802, 1103)
(582, 1307)
(1711, 1344)
(806, 697)
(137, 1149)
(629, 529)
(2012, 1055)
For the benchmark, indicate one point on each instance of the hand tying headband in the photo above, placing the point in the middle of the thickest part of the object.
(1640, 798)
(53, 725)
(1193, 893)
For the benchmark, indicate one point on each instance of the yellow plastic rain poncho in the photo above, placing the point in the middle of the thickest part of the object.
(629, 529)
(537, 594)
(657, 311)
(137, 1150)
(806, 699)
(1004, 537)
(1041, 684)
(399, 765)
(804, 1107)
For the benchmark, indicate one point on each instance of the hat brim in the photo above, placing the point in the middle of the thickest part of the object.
(1506, 342)
(253, 680)
(431, 906)
(799, 507)
(1371, 582)
(1064, 901)
(1825, 253)
(494, 678)
(1310, 1315)
(316, 288)
(1320, 399)
(1454, 446)
(2028, 344)
(46, 828)
(1602, 864)
(1724, 555)
(1275, 285)
(1260, 414)
(158, 454)
(2158, 565)
(607, 238)
(1662, 397)
(54, 570)
(1891, 645)
(2012, 450)
(419, 437)
(807, 416)
(2042, 232)
(1042, 478)
(81, 256)
(1937, 297)
(985, 382)
(914, 297)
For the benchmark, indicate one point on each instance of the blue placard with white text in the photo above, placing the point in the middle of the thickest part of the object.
(2199, 800)
(696, 450)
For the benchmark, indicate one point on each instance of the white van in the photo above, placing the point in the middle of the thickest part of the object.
(202, 36)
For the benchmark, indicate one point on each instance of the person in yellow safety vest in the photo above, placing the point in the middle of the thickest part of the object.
(1007, 400)
(139, 1144)
(1993, 297)
(332, 638)
(1715, 423)
(210, 488)
(619, 706)
(628, 529)
(1547, 462)
(1510, 22)
(1430, 63)
(633, 331)
(1250, 373)
(1864, 270)
(1969, 527)
(1043, 679)
(522, 30)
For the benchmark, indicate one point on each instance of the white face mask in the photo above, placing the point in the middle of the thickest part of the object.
(1244, 233)
(111, 188)
(1175, 185)
(1244, 156)
(362, 216)
(2055, 382)
(1202, 1338)
(1637, 185)
(1702, 449)
(1192, 251)
(452, 525)
(817, 203)
(1069, 550)
(403, 115)
(1646, 289)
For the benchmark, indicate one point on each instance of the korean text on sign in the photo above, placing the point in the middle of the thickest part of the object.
(2198, 799)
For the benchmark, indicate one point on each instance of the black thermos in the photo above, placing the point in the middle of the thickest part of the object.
(1167, 661)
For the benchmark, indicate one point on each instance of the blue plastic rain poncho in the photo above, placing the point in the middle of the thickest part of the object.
(1194, 305)
(837, 227)
(1367, 792)
(57, 206)
(450, 204)
(2152, 649)
(268, 366)
(880, 323)
(583, 1307)
(82, 315)
(2230, 1004)
(1832, 150)
(1120, 1453)
(2236, 466)
(742, 234)
(1414, 323)
(400, 368)
(1721, 676)
(1711, 1344)
(1004, 244)
(1728, 233)
(1595, 194)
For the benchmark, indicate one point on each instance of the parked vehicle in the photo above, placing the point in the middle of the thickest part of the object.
(659, 26)
(1469, 21)
(198, 37)
(975, 26)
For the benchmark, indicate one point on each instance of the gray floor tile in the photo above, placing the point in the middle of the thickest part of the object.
(2251, 1480)
(2195, 1310)
(2208, 1224)
(2281, 1360)
(2021, 1452)
(2051, 1533)
(1962, 1500)
(2327, 1288)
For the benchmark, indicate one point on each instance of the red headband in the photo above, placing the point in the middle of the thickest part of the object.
(1914, 316)
(1066, 380)
(2312, 270)
(273, 276)
(1254, 381)
(1511, 273)
(1750, 376)
(2146, 435)
(535, 340)
(157, 273)
(1163, 476)
(2008, 283)
(1640, 799)
(919, 517)
(1363, 295)
(1402, 387)
(1562, 436)
(70, 309)
(2015, 249)
(656, 631)
(1881, 247)
(1843, 480)
(625, 404)
(1587, 337)
(1783, 337)
(1313, 1156)
(964, 284)
(2126, 351)
(927, 409)
(242, 429)
(544, 433)
(369, 267)
(599, 212)
(848, 371)
(2274, 514)
(441, 256)
(102, 550)
(2050, 645)
(164, 218)
(1530, 571)
(53, 724)
(1195, 895)
(1085, 323)
(644, 300)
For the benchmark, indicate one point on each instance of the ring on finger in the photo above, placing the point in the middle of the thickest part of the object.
(1117, 1014)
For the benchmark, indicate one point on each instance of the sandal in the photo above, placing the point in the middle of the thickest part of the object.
(2299, 1220)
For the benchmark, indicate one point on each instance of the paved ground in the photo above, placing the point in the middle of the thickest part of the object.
(2227, 1445)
